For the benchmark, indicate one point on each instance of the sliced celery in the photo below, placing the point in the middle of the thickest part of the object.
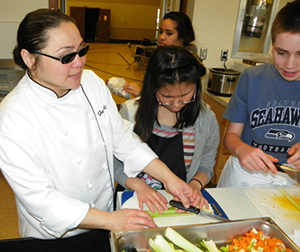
(180, 241)
(211, 246)
(159, 244)
(171, 212)
(289, 198)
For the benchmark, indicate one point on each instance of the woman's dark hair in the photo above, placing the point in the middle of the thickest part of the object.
(32, 32)
(169, 65)
(184, 26)
(287, 20)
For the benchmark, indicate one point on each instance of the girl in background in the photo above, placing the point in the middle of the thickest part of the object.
(175, 29)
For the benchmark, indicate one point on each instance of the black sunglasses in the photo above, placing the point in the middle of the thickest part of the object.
(69, 57)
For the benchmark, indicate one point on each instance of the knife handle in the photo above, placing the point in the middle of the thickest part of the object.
(179, 205)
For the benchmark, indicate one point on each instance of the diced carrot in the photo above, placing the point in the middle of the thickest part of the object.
(252, 240)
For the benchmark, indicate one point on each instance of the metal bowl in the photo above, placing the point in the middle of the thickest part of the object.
(221, 233)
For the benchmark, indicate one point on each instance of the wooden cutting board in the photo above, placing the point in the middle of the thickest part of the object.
(271, 203)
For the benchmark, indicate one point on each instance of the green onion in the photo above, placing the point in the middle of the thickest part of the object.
(289, 198)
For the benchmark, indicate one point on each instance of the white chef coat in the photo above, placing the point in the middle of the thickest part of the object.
(57, 153)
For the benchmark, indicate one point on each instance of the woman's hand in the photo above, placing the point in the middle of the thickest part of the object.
(132, 88)
(199, 201)
(148, 195)
(181, 191)
(173, 184)
(130, 219)
(124, 219)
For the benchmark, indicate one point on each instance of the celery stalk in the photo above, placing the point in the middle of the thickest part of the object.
(289, 198)
(171, 212)
(224, 248)
(211, 246)
(180, 241)
(159, 244)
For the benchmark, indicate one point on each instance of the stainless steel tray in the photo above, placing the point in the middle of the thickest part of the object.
(220, 233)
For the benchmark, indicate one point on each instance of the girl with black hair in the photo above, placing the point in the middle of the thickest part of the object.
(171, 117)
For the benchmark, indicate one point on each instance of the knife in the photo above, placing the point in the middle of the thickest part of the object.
(295, 175)
(196, 210)
(285, 167)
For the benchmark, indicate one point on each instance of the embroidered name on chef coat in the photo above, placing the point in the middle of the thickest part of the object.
(100, 112)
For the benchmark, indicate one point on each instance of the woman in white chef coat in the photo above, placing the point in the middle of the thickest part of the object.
(59, 129)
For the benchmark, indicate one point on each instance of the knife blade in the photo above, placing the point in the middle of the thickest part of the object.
(196, 210)
(295, 173)
(285, 167)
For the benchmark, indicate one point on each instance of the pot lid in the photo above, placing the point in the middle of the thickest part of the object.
(224, 71)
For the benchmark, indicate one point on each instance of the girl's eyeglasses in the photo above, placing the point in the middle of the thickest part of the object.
(174, 103)
(69, 57)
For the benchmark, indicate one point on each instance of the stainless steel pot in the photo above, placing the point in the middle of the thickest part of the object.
(222, 81)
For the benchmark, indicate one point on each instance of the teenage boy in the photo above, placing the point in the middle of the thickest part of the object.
(264, 112)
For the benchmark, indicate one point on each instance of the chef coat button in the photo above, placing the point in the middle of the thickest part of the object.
(92, 204)
(65, 132)
(108, 185)
(103, 144)
(90, 116)
(78, 160)
(105, 167)
(89, 185)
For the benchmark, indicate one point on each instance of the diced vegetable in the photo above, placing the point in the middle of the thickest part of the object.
(180, 241)
(289, 198)
(256, 241)
(254, 230)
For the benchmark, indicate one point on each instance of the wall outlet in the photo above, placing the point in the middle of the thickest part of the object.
(224, 54)
(203, 53)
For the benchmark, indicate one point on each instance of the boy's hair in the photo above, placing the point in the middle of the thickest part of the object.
(287, 20)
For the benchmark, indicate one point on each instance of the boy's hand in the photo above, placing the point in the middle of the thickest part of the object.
(255, 159)
(294, 153)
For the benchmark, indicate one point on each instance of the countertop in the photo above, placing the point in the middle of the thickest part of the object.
(240, 203)
(223, 100)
